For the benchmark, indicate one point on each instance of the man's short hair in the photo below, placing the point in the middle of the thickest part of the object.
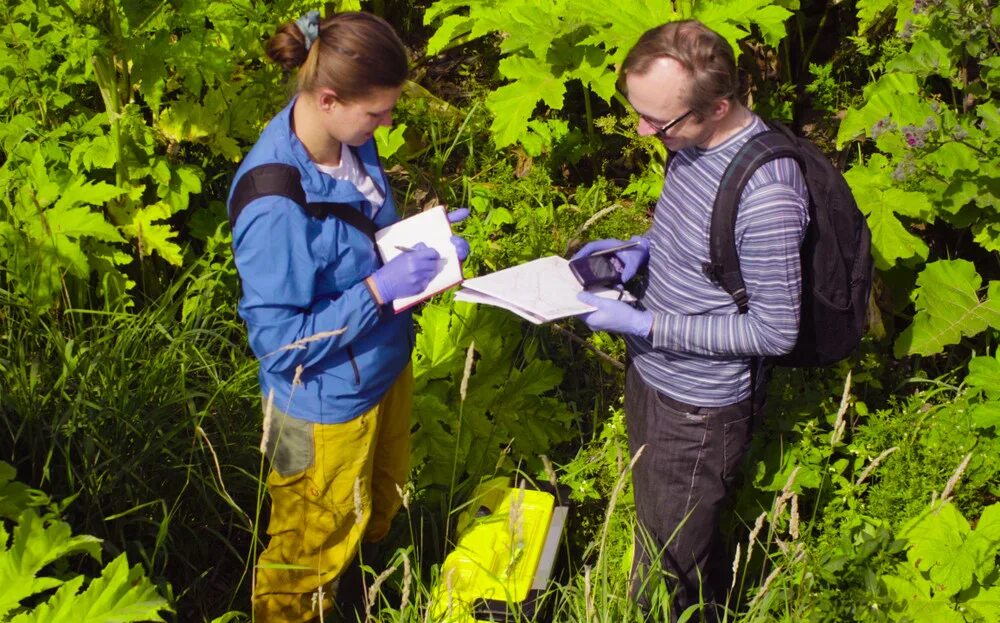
(703, 53)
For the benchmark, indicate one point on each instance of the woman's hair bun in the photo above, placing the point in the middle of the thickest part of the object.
(287, 47)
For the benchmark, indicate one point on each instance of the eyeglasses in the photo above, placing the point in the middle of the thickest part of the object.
(661, 131)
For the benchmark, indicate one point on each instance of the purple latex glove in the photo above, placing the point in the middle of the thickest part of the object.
(615, 316)
(631, 259)
(408, 273)
(461, 246)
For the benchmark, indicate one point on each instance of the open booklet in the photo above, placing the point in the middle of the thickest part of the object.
(538, 291)
(432, 228)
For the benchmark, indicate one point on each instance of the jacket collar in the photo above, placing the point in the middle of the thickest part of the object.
(314, 181)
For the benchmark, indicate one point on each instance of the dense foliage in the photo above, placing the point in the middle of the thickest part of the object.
(128, 391)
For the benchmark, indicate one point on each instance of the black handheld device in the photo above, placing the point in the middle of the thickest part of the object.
(596, 270)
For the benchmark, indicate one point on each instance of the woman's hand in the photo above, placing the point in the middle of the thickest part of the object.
(407, 274)
(461, 246)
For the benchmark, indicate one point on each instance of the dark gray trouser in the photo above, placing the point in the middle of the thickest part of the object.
(681, 482)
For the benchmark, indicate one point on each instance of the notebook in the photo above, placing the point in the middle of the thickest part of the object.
(432, 228)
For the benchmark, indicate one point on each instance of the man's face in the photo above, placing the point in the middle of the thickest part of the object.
(660, 96)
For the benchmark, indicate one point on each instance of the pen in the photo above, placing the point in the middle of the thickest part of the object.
(400, 247)
(621, 247)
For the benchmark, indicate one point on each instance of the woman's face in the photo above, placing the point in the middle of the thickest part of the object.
(354, 122)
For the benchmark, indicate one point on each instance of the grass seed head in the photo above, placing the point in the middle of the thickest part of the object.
(871, 466)
(955, 478)
(470, 356)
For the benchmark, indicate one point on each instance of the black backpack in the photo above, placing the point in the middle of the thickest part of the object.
(284, 180)
(836, 251)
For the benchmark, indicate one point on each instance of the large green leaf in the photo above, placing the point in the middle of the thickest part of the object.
(984, 375)
(881, 202)
(926, 57)
(120, 595)
(79, 222)
(940, 546)
(453, 30)
(36, 543)
(549, 44)
(948, 308)
(919, 601)
(16, 497)
(986, 603)
(870, 10)
(620, 24)
(895, 95)
(513, 104)
(732, 19)
(437, 350)
(154, 237)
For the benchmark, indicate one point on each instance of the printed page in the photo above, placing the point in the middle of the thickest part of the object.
(539, 291)
(471, 296)
(432, 228)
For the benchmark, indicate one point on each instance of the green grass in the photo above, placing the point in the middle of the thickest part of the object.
(145, 423)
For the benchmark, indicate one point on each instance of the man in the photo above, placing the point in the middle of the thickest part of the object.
(695, 376)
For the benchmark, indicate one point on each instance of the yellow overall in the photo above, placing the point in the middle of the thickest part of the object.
(330, 485)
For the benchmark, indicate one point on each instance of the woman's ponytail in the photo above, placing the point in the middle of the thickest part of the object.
(350, 53)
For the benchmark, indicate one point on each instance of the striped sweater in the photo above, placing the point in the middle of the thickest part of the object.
(702, 348)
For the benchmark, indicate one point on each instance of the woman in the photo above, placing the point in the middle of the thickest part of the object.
(334, 358)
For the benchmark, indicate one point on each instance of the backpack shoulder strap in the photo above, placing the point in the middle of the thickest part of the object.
(267, 179)
(284, 180)
(724, 265)
(346, 213)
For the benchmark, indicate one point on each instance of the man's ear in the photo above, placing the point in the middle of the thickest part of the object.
(721, 109)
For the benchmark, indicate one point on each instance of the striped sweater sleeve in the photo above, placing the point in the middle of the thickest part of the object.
(768, 247)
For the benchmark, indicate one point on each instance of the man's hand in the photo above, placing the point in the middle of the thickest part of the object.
(461, 246)
(632, 259)
(615, 316)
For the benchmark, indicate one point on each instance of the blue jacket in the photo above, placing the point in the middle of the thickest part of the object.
(303, 276)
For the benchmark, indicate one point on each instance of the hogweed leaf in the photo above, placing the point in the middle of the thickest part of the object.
(948, 308)
(919, 601)
(619, 25)
(513, 104)
(437, 350)
(36, 543)
(732, 18)
(987, 538)
(389, 140)
(939, 546)
(453, 30)
(984, 375)
(120, 595)
(16, 497)
(926, 57)
(891, 241)
(986, 415)
(154, 237)
(985, 603)
(870, 10)
(80, 191)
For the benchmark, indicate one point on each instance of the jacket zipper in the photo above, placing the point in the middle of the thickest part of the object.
(354, 364)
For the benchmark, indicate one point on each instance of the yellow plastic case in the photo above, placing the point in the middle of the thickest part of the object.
(502, 563)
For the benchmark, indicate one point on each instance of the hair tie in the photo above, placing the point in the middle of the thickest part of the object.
(308, 24)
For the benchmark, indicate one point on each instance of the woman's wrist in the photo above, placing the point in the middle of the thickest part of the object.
(373, 289)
